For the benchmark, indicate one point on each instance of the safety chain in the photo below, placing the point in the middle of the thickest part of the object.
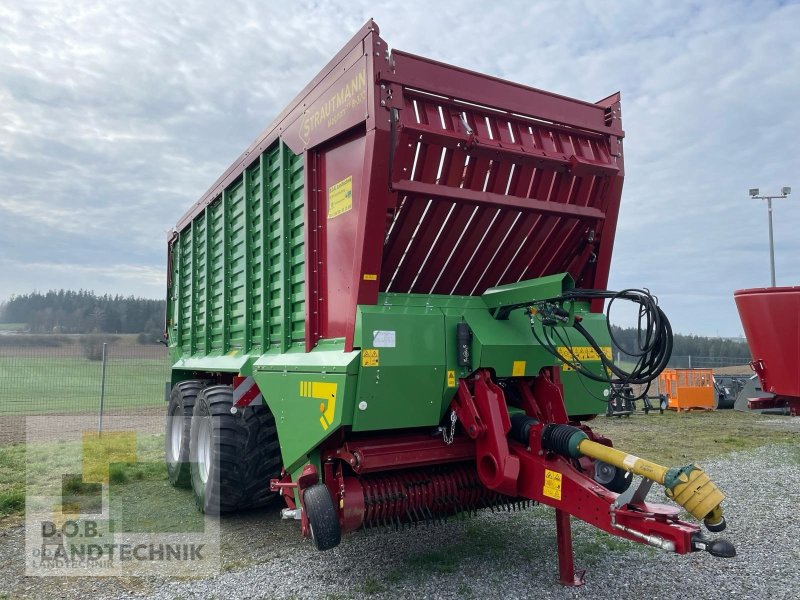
(448, 438)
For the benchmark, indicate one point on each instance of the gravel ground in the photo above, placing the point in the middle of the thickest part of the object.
(505, 555)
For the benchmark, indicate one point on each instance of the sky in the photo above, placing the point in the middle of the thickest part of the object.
(116, 116)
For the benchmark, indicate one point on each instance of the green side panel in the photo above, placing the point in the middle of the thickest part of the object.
(402, 376)
(311, 396)
(237, 283)
(411, 385)
(498, 344)
(522, 292)
(581, 395)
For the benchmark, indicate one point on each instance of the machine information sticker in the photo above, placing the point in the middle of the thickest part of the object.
(340, 197)
(370, 358)
(518, 368)
(582, 354)
(552, 484)
(384, 339)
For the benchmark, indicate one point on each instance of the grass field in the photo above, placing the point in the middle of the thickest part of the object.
(62, 384)
(680, 438)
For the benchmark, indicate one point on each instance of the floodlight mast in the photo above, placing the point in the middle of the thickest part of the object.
(754, 193)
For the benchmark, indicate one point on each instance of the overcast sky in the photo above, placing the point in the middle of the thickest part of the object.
(116, 116)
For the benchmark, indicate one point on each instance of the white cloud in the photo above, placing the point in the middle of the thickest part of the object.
(116, 116)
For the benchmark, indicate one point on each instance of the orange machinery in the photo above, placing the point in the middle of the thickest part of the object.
(688, 389)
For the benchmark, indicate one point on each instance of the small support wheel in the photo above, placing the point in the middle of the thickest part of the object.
(323, 518)
(612, 478)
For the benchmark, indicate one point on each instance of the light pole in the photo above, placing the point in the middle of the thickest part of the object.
(754, 193)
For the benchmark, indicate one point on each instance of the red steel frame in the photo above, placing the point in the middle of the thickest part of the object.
(484, 454)
(463, 181)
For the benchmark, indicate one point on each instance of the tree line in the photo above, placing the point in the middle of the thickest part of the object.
(685, 345)
(83, 311)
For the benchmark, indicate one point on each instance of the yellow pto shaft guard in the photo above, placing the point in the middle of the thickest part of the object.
(688, 486)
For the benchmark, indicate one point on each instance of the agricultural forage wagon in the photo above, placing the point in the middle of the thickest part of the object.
(389, 309)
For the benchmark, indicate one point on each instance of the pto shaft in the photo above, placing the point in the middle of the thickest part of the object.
(688, 486)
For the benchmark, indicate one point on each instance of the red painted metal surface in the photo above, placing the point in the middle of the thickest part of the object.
(461, 181)
(579, 495)
(394, 479)
(338, 234)
(586, 500)
(487, 196)
(412, 496)
(368, 454)
(771, 321)
(790, 403)
(566, 559)
(497, 469)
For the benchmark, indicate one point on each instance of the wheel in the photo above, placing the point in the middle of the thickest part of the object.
(323, 518)
(176, 440)
(612, 478)
(232, 457)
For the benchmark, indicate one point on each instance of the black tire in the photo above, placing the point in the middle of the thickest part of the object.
(243, 453)
(612, 478)
(176, 440)
(323, 518)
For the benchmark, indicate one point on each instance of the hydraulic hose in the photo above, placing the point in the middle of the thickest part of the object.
(688, 486)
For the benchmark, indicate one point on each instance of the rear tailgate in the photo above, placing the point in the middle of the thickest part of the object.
(495, 182)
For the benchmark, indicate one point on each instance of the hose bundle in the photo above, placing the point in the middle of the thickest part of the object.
(653, 336)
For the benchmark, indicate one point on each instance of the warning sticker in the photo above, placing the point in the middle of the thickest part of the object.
(518, 369)
(370, 358)
(340, 197)
(582, 354)
(451, 379)
(552, 484)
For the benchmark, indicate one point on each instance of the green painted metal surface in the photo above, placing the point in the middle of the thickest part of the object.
(237, 271)
(415, 378)
(403, 367)
(522, 292)
(310, 401)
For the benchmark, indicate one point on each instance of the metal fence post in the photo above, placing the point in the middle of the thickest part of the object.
(102, 389)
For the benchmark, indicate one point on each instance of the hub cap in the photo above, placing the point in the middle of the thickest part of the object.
(204, 449)
(604, 472)
(175, 436)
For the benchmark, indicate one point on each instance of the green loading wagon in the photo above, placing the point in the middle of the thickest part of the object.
(390, 309)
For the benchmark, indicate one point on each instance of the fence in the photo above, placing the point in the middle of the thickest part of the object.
(67, 380)
(708, 362)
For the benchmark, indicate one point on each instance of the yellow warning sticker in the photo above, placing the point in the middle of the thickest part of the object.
(582, 354)
(552, 484)
(518, 369)
(340, 197)
(370, 358)
(370, 277)
(451, 379)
